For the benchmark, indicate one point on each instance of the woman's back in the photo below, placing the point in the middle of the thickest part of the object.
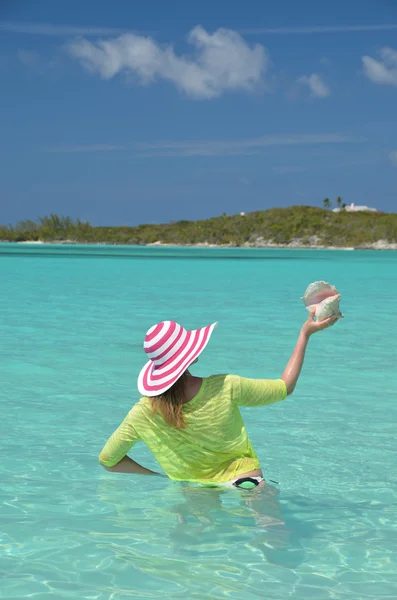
(214, 445)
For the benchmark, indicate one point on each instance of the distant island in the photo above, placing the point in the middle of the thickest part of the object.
(292, 227)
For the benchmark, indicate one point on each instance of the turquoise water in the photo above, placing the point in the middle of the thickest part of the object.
(72, 321)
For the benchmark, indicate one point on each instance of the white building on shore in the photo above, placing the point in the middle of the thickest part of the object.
(355, 208)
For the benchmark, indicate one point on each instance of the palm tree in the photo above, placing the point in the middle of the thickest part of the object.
(327, 203)
(339, 202)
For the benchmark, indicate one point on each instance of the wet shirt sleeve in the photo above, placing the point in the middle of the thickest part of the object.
(119, 443)
(259, 392)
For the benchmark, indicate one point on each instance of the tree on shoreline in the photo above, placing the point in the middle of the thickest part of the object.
(327, 203)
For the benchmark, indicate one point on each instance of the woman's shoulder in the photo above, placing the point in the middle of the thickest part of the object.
(223, 377)
(140, 408)
(222, 381)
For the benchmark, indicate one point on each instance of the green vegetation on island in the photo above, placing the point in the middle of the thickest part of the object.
(294, 226)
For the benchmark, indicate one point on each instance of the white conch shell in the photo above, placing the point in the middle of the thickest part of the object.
(317, 292)
(324, 299)
(328, 308)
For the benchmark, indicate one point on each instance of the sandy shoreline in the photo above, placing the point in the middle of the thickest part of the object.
(294, 244)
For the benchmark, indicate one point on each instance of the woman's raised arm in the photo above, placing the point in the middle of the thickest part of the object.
(295, 363)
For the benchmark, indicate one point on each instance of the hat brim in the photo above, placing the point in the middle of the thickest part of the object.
(154, 382)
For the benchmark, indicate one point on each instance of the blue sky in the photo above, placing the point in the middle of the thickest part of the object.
(135, 112)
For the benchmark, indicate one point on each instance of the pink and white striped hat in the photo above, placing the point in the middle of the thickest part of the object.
(171, 350)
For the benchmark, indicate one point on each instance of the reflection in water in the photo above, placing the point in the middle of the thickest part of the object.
(196, 536)
(252, 518)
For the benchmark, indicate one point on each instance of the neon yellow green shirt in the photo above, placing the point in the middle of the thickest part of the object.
(214, 447)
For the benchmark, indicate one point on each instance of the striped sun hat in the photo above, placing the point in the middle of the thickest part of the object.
(171, 350)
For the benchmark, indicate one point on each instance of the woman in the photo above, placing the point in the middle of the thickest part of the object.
(193, 425)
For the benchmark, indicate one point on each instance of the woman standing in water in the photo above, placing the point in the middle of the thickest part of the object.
(193, 425)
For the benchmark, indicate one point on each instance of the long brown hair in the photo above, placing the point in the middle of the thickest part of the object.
(170, 404)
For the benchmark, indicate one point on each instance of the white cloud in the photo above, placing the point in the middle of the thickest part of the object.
(222, 61)
(327, 165)
(90, 148)
(382, 72)
(318, 88)
(28, 58)
(318, 29)
(57, 30)
(241, 147)
(188, 152)
(48, 29)
(393, 157)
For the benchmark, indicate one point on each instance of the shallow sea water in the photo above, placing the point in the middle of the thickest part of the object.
(72, 321)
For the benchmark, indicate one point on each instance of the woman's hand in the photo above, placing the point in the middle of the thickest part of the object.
(311, 326)
(294, 366)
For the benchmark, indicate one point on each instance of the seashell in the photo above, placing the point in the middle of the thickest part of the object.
(324, 298)
(328, 308)
(317, 292)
